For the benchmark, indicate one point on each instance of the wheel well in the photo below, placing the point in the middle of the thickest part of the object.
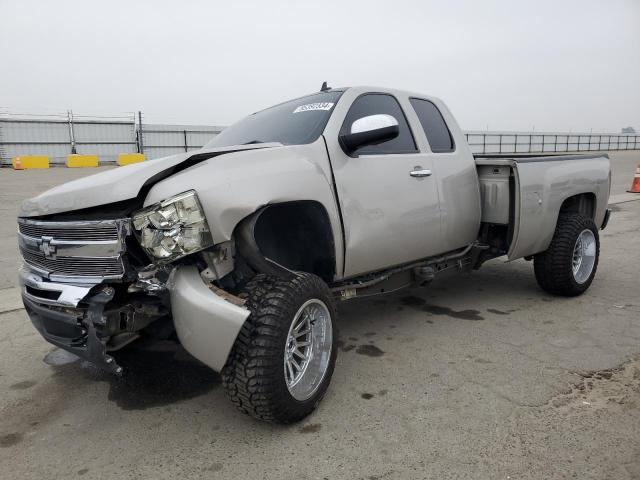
(295, 235)
(584, 204)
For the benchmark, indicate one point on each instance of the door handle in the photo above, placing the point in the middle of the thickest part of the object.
(420, 172)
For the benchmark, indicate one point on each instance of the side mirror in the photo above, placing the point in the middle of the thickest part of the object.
(370, 130)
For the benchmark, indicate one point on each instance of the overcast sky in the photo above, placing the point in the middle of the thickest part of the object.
(557, 65)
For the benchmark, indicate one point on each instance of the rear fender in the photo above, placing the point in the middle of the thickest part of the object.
(545, 186)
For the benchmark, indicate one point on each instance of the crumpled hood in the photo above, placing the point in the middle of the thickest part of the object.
(122, 183)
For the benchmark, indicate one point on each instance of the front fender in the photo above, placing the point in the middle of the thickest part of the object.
(233, 186)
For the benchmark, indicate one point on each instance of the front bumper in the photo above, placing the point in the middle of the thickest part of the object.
(75, 318)
(38, 290)
(76, 330)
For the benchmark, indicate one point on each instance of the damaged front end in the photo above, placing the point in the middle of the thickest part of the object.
(74, 281)
(94, 327)
(92, 287)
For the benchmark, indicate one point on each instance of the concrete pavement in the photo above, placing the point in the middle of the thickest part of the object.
(478, 376)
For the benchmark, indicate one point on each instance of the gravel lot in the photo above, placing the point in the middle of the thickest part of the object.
(479, 376)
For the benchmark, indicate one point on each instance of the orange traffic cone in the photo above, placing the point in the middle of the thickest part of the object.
(17, 164)
(635, 185)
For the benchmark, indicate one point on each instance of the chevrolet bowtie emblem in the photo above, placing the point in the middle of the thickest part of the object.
(46, 248)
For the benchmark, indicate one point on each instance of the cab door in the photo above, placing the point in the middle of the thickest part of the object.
(387, 193)
(458, 186)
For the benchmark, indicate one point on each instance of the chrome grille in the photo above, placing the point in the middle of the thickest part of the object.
(78, 251)
(70, 232)
(92, 267)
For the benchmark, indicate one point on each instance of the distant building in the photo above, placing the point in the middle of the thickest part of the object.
(628, 130)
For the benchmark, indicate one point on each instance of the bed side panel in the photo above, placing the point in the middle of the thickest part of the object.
(544, 184)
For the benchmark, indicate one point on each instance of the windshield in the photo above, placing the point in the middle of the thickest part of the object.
(295, 122)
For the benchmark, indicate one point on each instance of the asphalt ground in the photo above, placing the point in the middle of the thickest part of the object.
(481, 375)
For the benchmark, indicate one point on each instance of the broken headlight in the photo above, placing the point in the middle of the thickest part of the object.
(173, 228)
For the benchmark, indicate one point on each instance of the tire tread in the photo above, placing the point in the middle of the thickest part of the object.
(552, 267)
(253, 374)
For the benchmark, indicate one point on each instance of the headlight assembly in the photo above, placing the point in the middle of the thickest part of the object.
(173, 228)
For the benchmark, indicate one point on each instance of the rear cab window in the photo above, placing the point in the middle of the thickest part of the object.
(435, 128)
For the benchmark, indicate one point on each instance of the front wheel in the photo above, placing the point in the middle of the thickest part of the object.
(282, 361)
(568, 266)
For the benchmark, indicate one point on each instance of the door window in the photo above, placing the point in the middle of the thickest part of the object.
(380, 103)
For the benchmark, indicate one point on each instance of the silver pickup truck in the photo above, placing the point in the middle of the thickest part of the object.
(241, 250)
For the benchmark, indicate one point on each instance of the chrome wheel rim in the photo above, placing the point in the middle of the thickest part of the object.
(308, 349)
(584, 256)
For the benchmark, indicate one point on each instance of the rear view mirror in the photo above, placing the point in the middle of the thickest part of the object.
(370, 130)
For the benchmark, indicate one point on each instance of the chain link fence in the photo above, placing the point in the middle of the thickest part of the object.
(60, 135)
(57, 136)
(162, 140)
(533, 143)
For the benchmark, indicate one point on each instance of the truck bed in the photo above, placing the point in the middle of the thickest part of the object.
(525, 193)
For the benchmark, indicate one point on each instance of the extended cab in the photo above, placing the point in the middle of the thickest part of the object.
(241, 249)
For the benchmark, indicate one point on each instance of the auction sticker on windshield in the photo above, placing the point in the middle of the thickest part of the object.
(309, 107)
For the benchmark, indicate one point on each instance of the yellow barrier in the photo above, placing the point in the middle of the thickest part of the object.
(81, 161)
(30, 161)
(129, 158)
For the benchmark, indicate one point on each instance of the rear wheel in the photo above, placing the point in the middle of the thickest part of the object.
(568, 266)
(281, 364)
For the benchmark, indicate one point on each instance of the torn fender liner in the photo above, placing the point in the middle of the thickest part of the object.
(119, 184)
(64, 329)
(250, 251)
(207, 324)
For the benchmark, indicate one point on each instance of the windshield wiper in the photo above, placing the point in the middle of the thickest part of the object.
(253, 142)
